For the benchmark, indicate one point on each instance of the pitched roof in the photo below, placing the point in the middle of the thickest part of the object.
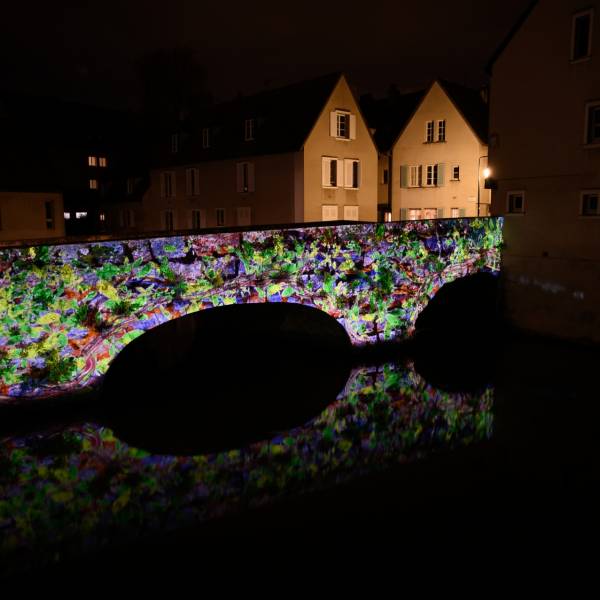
(471, 105)
(283, 119)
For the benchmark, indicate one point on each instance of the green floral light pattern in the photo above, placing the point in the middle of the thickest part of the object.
(67, 310)
(80, 488)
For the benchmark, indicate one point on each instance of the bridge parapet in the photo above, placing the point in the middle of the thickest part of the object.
(67, 310)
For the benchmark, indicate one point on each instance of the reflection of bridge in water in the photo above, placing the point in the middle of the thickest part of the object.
(67, 310)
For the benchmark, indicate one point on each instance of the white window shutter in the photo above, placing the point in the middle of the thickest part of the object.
(440, 213)
(251, 182)
(325, 172)
(333, 124)
(348, 172)
(340, 172)
(404, 214)
(440, 174)
(352, 127)
(240, 177)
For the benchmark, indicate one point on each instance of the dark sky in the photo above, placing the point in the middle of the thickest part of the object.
(86, 49)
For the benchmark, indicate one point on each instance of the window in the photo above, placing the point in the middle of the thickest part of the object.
(245, 177)
(455, 213)
(414, 214)
(191, 182)
(342, 125)
(350, 213)
(81, 215)
(102, 161)
(198, 219)
(430, 213)
(592, 125)
(589, 203)
(92, 161)
(243, 215)
(386, 177)
(432, 175)
(442, 131)
(102, 217)
(516, 203)
(332, 172)
(174, 143)
(329, 212)
(351, 173)
(66, 216)
(220, 212)
(169, 220)
(581, 35)
(206, 137)
(414, 176)
(167, 185)
(455, 173)
(249, 130)
(429, 131)
(387, 217)
(93, 184)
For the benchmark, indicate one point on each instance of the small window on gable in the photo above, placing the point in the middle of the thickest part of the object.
(590, 205)
(581, 35)
(343, 125)
(249, 130)
(93, 184)
(441, 131)
(592, 123)
(516, 203)
(429, 130)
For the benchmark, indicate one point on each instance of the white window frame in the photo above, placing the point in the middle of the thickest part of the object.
(434, 175)
(413, 176)
(590, 12)
(246, 178)
(351, 182)
(220, 221)
(429, 132)
(206, 137)
(582, 196)
(508, 197)
(425, 215)
(249, 130)
(452, 176)
(441, 127)
(593, 143)
(455, 212)
(66, 216)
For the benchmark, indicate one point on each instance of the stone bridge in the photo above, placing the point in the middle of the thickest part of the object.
(67, 310)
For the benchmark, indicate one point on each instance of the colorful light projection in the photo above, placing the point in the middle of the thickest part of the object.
(67, 310)
(66, 492)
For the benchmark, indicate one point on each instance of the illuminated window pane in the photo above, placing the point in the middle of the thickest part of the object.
(102, 161)
(92, 161)
(93, 184)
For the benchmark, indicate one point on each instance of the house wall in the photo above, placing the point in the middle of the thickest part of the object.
(383, 164)
(271, 202)
(23, 216)
(551, 264)
(321, 144)
(462, 147)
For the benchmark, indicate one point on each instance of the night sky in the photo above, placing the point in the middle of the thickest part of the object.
(87, 50)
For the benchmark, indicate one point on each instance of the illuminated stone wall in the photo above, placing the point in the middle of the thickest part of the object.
(67, 310)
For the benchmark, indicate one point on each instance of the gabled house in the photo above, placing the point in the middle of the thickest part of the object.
(545, 157)
(302, 153)
(433, 153)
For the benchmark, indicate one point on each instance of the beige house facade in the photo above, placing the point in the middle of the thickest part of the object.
(294, 155)
(545, 157)
(31, 216)
(438, 162)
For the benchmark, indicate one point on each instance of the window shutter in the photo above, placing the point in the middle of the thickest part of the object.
(462, 212)
(333, 124)
(325, 172)
(440, 174)
(440, 213)
(350, 213)
(404, 214)
(251, 182)
(348, 172)
(404, 176)
(162, 185)
(340, 172)
(240, 177)
(420, 180)
(352, 127)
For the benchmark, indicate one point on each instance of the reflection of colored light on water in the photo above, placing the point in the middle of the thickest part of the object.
(82, 484)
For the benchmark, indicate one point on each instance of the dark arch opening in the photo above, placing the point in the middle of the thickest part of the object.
(457, 334)
(225, 377)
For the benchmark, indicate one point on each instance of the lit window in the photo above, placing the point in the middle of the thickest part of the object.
(589, 204)
(92, 161)
(455, 173)
(429, 131)
(102, 161)
(220, 213)
(67, 216)
(198, 219)
(442, 131)
(249, 130)
(81, 215)
(343, 125)
(102, 216)
(455, 213)
(206, 137)
(49, 210)
(516, 203)
(93, 184)
(581, 35)
(592, 117)
(430, 213)
(414, 214)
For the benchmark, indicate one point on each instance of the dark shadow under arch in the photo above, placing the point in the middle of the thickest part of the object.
(225, 377)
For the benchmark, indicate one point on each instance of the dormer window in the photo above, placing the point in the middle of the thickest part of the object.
(248, 130)
(581, 35)
(206, 137)
(342, 125)
(174, 143)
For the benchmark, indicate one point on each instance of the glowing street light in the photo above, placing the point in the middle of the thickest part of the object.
(486, 173)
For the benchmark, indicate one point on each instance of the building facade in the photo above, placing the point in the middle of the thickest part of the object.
(545, 157)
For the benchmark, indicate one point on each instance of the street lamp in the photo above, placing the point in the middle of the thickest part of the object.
(486, 173)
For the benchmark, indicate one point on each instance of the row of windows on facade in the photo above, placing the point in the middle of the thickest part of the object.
(97, 161)
(430, 131)
(342, 126)
(414, 176)
(416, 214)
(589, 203)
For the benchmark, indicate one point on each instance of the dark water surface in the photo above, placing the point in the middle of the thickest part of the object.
(260, 435)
